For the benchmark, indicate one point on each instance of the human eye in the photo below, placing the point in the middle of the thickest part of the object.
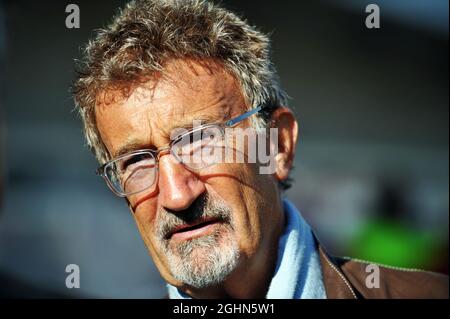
(193, 141)
(136, 161)
(200, 148)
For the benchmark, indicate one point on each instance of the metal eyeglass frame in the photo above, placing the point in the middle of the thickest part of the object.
(101, 171)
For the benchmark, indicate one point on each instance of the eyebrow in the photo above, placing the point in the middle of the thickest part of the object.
(131, 146)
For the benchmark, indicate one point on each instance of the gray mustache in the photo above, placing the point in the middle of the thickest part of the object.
(202, 207)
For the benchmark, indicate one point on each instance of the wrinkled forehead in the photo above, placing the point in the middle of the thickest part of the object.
(187, 91)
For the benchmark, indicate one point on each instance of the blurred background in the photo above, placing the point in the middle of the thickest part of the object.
(372, 167)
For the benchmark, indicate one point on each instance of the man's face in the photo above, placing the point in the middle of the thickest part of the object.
(199, 226)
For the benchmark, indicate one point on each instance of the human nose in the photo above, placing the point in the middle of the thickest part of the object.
(178, 186)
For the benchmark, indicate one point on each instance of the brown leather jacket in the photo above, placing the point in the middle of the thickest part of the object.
(346, 279)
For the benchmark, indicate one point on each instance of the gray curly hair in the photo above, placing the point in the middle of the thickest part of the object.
(147, 33)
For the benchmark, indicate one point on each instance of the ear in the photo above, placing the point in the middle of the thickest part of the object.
(284, 120)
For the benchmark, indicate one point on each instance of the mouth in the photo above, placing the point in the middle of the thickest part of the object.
(192, 230)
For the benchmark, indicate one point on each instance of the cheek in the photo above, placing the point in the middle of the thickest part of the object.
(237, 185)
(145, 217)
(258, 195)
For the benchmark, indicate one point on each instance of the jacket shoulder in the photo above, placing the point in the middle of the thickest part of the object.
(372, 280)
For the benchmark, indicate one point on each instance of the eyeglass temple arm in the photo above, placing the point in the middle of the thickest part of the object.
(243, 116)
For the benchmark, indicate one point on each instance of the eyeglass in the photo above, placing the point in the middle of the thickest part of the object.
(196, 149)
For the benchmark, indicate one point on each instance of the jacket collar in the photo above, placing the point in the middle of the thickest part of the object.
(336, 284)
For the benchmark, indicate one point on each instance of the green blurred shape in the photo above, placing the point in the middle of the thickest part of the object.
(395, 244)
